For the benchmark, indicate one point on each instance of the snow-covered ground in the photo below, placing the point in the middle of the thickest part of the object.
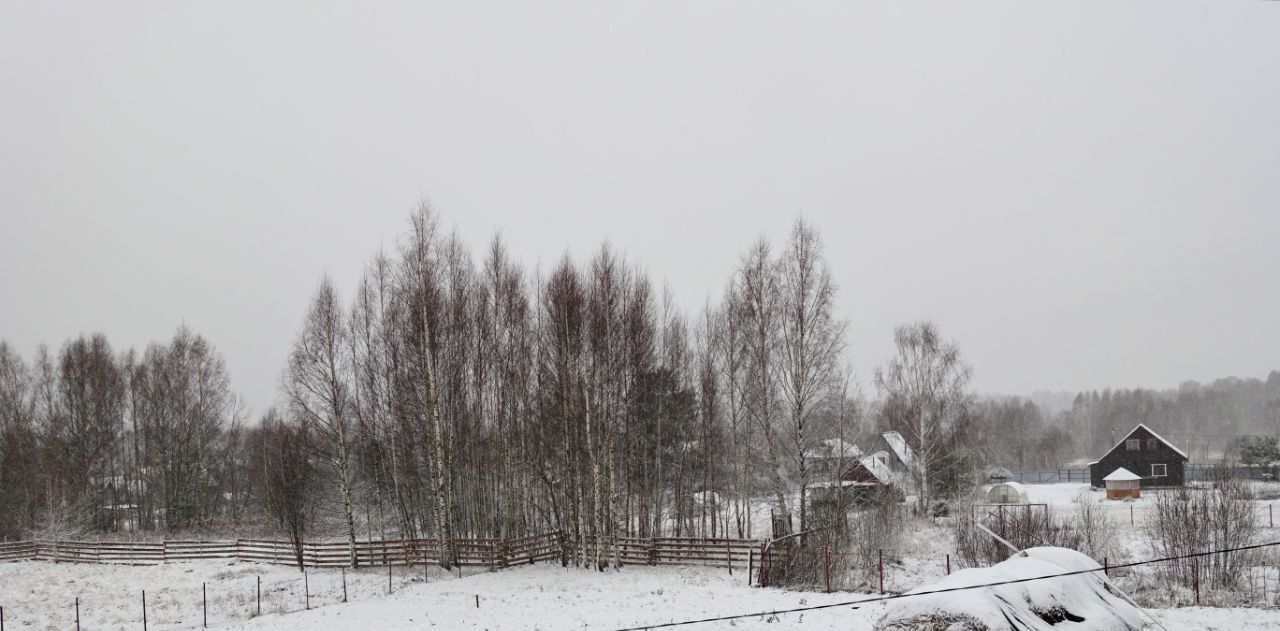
(39, 595)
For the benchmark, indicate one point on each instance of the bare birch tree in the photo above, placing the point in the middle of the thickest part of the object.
(812, 342)
(318, 386)
(925, 391)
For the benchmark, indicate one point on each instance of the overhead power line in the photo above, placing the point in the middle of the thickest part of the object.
(854, 604)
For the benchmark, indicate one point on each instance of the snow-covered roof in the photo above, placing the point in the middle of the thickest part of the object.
(1154, 434)
(833, 448)
(880, 470)
(1020, 488)
(1121, 474)
(899, 446)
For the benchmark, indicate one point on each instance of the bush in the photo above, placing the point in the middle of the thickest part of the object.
(1088, 531)
(1192, 520)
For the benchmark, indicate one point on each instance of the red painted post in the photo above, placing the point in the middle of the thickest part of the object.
(1195, 578)
(948, 565)
(882, 571)
(826, 553)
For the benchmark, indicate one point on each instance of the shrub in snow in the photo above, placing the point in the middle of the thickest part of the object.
(1190, 520)
(1046, 604)
(1088, 530)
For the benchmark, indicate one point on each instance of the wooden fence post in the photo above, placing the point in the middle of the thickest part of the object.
(764, 570)
(344, 584)
(204, 603)
(751, 562)
(306, 589)
(948, 564)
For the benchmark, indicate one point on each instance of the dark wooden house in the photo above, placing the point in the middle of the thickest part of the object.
(1157, 461)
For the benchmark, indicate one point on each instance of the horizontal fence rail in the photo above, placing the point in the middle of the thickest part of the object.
(491, 553)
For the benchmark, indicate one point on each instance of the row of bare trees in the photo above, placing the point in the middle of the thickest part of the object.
(453, 397)
(450, 398)
(94, 439)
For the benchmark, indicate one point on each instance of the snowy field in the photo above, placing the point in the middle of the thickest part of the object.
(40, 595)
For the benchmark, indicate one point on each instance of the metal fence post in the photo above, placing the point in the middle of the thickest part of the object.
(259, 594)
(882, 571)
(948, 565)
(77, 613)
(306, 589)
(144, 610)
(344, 584)
(826, 566)
(204, 603)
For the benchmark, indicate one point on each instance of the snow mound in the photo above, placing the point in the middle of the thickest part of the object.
(1079, 601)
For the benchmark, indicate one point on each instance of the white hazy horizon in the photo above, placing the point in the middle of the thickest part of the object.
(1081, 194)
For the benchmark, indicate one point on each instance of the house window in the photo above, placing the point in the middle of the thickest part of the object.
(1153, 443)
(1159, 470)
(1133, 444)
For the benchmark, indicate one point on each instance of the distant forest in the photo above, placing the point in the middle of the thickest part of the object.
(455, 395)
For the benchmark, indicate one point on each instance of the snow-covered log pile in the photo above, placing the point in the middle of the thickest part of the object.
(1079, 601)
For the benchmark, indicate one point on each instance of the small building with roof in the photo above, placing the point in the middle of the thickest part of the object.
(1144, 453)
(1007, 493)
(1123, 483)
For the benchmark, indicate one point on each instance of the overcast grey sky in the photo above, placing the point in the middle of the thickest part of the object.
(1082, 194)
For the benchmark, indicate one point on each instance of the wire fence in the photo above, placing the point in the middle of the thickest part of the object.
(235, 596)
(240, 593)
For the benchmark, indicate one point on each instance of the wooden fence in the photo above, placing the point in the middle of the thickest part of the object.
(676, 551)
(492, 553)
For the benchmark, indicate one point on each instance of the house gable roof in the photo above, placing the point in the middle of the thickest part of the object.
(900, 447)
(1149, 431)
